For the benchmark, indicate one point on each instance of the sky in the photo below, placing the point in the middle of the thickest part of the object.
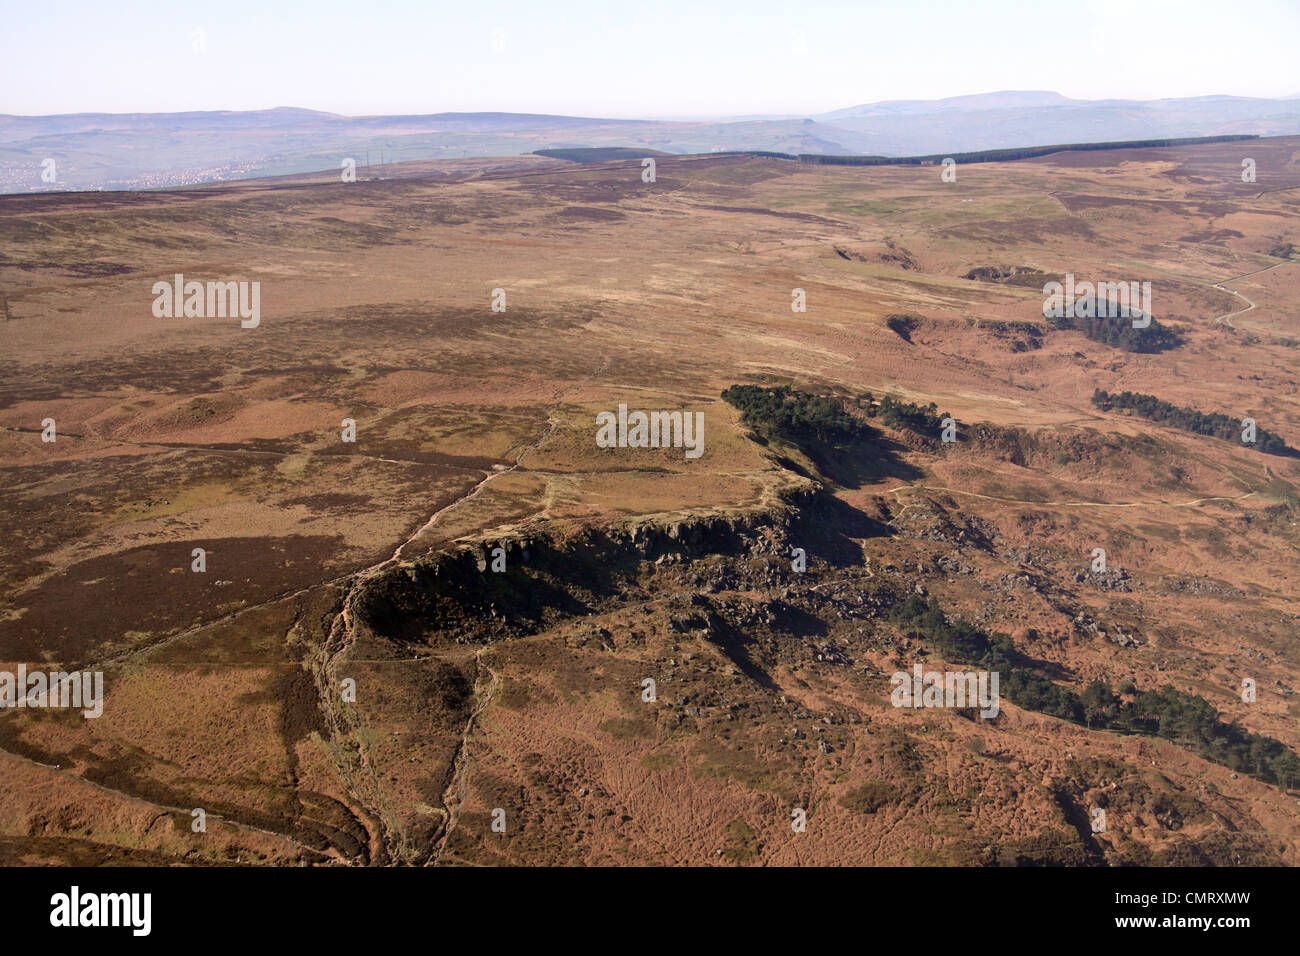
(629, 58)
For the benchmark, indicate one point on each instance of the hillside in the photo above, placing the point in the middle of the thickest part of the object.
(455, 614)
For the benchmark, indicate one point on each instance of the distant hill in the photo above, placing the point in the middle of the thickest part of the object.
(1009, 119)
(1035, 99)
(150, 150)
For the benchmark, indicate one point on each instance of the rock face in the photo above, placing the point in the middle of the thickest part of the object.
(1112, 579)
(540, 627)
(932, 520)
(1014, 275)
(461, 596)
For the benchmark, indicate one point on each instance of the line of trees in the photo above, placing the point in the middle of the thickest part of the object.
(797, 416)
(925, 420)
(979, 156)
(1188, 419)
(1168, 713)
(1020, 152)
(598, 153)
(1118, 332)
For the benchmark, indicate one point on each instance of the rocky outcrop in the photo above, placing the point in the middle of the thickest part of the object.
(499, 586)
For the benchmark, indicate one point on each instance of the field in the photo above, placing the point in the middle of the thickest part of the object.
(499, 716)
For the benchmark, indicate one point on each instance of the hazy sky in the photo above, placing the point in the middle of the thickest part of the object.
(629, 57)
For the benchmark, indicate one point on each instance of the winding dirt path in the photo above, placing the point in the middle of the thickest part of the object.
(347, 721)
(456, 792)
(1223, 319)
